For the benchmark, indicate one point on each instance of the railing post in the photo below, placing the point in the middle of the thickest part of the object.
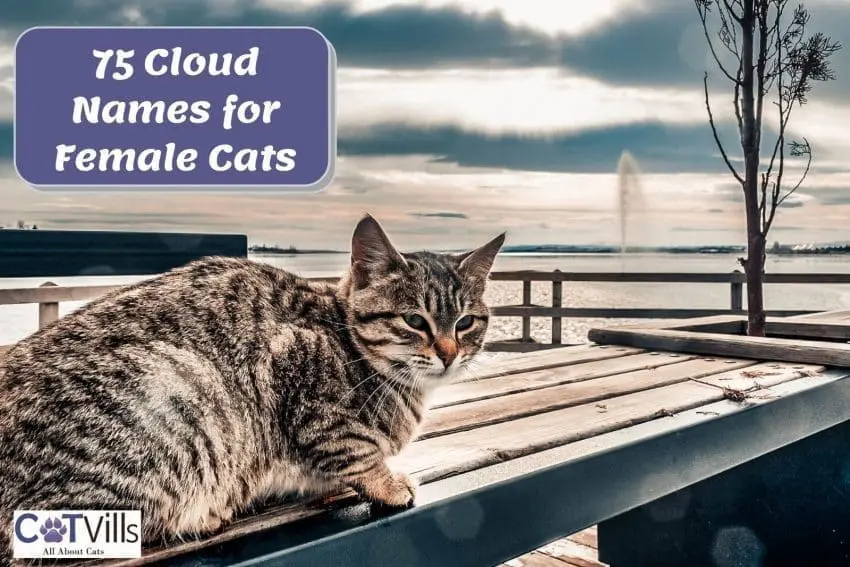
(557, 287)
(736, 290)
(47, 312)
(526, 320)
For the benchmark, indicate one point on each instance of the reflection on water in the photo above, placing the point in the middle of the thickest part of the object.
(16, 321)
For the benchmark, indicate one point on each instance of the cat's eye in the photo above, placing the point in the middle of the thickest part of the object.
(464, 323)
(415, 321)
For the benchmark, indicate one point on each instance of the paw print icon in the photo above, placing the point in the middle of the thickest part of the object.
(53, 530)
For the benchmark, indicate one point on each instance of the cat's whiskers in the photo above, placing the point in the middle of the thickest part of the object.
(337, 324)
(377, 389)
(470, 366)
(395, 409)
(390, 386)
(356, 360)
(353, 388)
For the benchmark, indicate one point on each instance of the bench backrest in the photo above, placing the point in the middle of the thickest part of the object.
(58, 253)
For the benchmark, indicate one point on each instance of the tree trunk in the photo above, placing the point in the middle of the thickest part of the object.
(755, 279)
(750, 146)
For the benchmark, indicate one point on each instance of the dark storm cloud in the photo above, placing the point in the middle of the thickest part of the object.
(658, 148)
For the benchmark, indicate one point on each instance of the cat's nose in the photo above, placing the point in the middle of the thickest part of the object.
(446, 350)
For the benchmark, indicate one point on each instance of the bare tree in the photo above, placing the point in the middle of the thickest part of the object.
(764, 51)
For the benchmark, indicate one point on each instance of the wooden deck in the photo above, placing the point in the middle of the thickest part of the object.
(537, 409)
(577, 550)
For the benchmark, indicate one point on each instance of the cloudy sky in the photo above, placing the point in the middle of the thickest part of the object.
(460, 118)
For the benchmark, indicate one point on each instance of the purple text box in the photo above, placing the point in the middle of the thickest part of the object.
(189, 107)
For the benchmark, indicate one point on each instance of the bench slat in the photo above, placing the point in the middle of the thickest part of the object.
(551, 358)
(502, 385)
(503, 408)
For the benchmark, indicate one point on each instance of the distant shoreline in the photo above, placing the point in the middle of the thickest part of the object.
(582, 249)
(537, 252)
(291, 253)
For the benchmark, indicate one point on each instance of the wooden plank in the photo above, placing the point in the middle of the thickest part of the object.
(588, 538)
(447, 455)
(760, 348)
(665, 277)
(736, 296)
(470, 415)
(572, 552)
(557, 298)
(622, 312)
(838, 330)
(53, 294)
(526, 321)
(712, 323)
(514, 345)
(736, 325)
(536, 559)
(838, 315)
(526, 381)
(504, 366)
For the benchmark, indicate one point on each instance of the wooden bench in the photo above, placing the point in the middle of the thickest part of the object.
(679, 459)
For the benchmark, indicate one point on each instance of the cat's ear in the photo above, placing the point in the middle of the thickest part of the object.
(372, 253)
(476, 265)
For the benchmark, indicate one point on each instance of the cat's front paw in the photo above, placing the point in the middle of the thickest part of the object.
(394, 491)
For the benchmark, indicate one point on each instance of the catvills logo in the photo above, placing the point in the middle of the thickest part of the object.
(77, 533)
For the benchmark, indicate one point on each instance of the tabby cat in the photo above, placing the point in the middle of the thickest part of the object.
(194, 394)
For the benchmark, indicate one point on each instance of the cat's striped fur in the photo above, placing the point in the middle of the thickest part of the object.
(194, 394)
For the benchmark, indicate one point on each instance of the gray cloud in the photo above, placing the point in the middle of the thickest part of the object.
(396, 36)
(7, 140)
(659, 46)
(667, 46)
(825, 195)
(658, 148)
(702, 229)
(441, 215)
(828, 195)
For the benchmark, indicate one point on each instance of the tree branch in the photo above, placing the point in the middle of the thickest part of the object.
(715, 134)
(732, 13)
(761, 64)
(807, 150)
(736, 101)
(703, 16)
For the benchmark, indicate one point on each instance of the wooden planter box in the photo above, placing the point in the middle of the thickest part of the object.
(810, 340)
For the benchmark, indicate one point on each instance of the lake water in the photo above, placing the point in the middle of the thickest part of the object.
(16, 321)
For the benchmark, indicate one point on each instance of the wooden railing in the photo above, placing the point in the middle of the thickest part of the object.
(49, 295)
